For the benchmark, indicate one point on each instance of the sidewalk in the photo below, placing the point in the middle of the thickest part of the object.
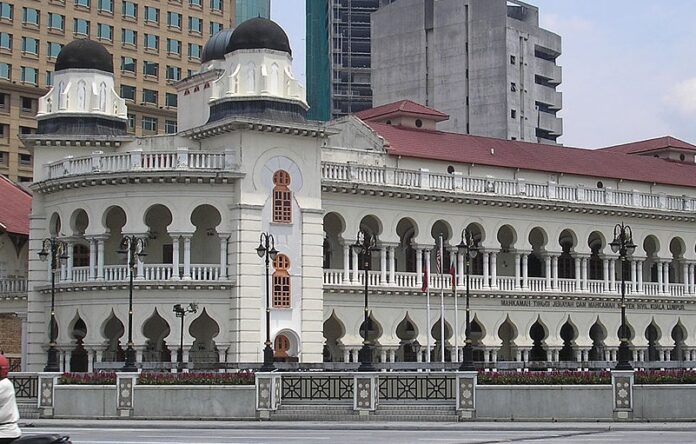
(371, 425)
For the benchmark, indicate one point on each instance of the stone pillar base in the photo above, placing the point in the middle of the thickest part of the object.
(623, 415)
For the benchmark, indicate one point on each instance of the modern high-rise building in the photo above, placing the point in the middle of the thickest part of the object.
(153, 45)
(486, 63)
(345, 26)
(318, 68)
(248, 9)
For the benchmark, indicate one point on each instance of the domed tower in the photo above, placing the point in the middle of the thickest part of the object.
(82, 100)
(245, 72)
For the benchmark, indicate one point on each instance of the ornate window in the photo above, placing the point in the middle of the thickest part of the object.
(281, 282)
(282, 198)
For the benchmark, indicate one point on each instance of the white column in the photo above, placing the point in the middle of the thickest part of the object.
(665, 279)
(494, 269)
(223, 258)
(639, 272)
(685, 276)
(525, 270)
(460, 270)
(660, 281)
(547, 274)
(518, 259)
(383, 265)
(175, 258)
(392, 266)
(612, 274)
(187, 257)
(633, 276)
(346, 355)
(583, 269)
(577, 261)
(90, 360)
(346, 264)
(605, 271)
(354, 276)
(392, 351)
(419, 267)
(68, 270)
(554, 271)
(691, 278)
(92, 258)
(140, 267)
(486, 274)
(100, 258)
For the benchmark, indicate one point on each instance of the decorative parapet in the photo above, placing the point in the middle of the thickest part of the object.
(622, 394)
(365, 392)
(125, 391)
(47, 391)
(425, 180)
(466, 394)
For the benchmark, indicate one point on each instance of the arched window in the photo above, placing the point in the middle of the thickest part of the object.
(282, 198)
(281, 282)
(281, 346)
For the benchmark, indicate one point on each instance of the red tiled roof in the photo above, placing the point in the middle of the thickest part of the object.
(651, 145)
(439, 145)
(402, 107)
(15, 205)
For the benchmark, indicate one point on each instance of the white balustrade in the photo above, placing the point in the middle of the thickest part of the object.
(405, 178)
(333, 277)
(115, 273)
(506, 283)
(565, 193)
(80, 274)
(537, 284)
(13, 285)
(676, 289)
(505, 187)
(594, 195)
(624, 198)
(595, 286)
(649, 201)
(157, 272)
(651, 288)
(441, 181)
(474, 185)
(537, 191)
(205, 272)
(566, 285)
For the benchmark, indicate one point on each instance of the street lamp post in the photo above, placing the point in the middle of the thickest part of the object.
(623, 244)
(364, 246)
(267, 250)
(468, 248)
(57, 249)
(181, 312)
(133, 247)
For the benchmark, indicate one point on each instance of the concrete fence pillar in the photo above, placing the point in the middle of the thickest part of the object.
(268, 393)
(47, 391)
(466, 394)
(622, 394)
(125, 393)
(365, 393)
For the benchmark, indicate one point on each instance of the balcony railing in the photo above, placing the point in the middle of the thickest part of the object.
(150, 272)
(425, 180)
(138, 160)
(502, 284)
(13, 286)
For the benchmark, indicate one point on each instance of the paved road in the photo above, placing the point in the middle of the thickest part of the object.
(341, 434)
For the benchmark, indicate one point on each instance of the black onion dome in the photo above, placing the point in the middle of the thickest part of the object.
(216, 47)
(84, 54)
(259, 33)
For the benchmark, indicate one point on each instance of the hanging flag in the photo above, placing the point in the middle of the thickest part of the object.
(453, 271)
(424, 288)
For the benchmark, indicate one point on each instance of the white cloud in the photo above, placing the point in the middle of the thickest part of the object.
(682, 97)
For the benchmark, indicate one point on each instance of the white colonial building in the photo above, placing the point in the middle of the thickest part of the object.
(545, 285)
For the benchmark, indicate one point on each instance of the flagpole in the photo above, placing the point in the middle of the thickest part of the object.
(442, 308)
(456, 312)
(426, 284)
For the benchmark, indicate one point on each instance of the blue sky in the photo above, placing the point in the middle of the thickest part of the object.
(629, 66)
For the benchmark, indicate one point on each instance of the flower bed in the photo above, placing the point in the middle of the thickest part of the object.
(240, 378)
(583, 378)
(101, 378)
(544, 378)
